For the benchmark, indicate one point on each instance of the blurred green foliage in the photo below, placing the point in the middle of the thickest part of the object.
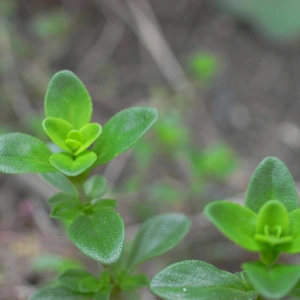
(203, 66)
(276, 19)
(187, 169)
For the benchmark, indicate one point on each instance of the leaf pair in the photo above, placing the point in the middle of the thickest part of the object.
(269, 222)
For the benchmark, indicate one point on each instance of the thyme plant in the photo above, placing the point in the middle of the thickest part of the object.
(268, 223)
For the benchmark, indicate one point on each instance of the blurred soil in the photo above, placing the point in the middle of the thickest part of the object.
(253, 105)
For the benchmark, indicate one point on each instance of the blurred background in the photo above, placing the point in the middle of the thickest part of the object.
(224, 76)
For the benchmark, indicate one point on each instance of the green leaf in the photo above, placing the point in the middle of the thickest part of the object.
(58, 292)
(61, 198)
(273, 225)
(58, 129)
(53, 262)
(197, 280)
(273, 282)
(100, 203)
(271, 181)
(122, 131)
(100, 235)
(235, 221)
(294, 245)
(68, 99)
(66, 211)
(90, 133)
(23, 153)
(60, 181)
(134, 282)
(95, 187)
(89, 284)
(71, 279)
(73, 166)
(156, 236)
(103, 294)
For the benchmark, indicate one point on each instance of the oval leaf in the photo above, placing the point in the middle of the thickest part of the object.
(73, 166)
(60, 181)
(58, 292)
(197, 280)
(271, 181)
(90, 133)
(95, 187)
(23, 153)
(71, 279)
(68, 99)
(58, 129)
(122, 131)
(156, 236)
(273, 282)
(235, 221)
(100, 235)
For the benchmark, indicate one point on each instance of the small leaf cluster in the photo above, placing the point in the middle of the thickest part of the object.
(269, 224)
(92, 221)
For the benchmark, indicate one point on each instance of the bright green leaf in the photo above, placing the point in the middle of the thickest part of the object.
(90, 133)
(60, 181)
(273, 224)
(71, 279)
(23, 153)
(197, 280)
(158, 235)
(58, 129)
(134, 282)
(272, 282)
(58, 292)
(73, 166)
(68, 99)
(100, 235)
(271, 181)
(95, 187)
(122, 131)
(294, 245)
(235, 221)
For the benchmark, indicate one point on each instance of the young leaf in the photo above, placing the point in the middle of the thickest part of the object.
(197, 280)
(60, 181)
(58, 292)
(68, 99)
(134, 282)
(99, 235)
(58, 129)
(272, 282)
(235, 221)
(271, 181)
(90, 132)
(95, 187)
(71, 279)
(23, 153)
(156, 236)
(73, 166)
(294, 245)
(122, 131)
